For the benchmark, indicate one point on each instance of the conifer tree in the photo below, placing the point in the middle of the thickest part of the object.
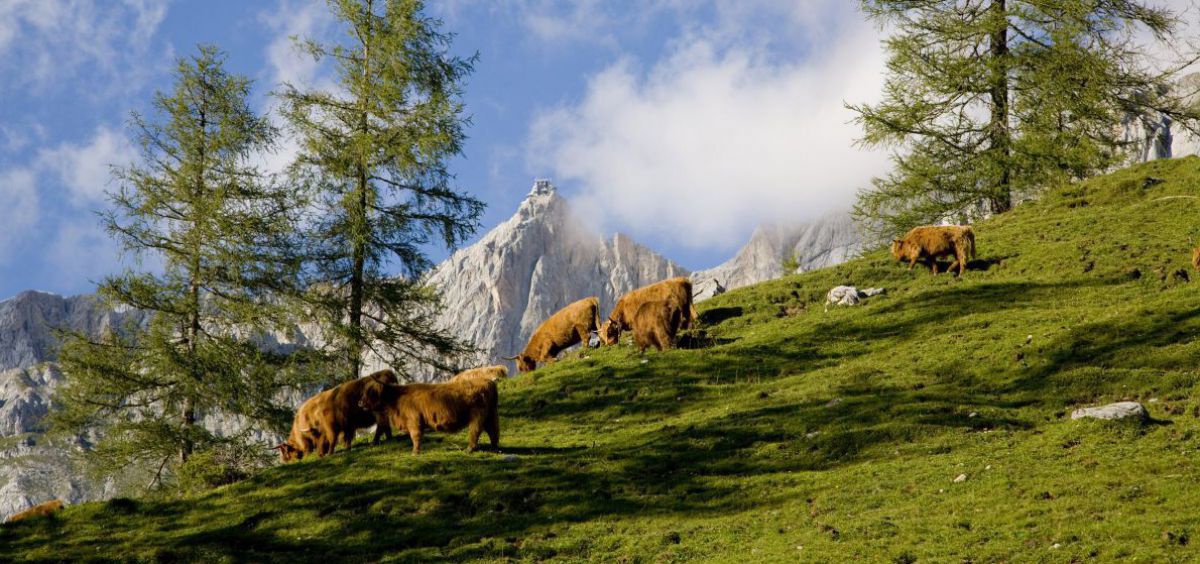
(374, 153)
(988, 100)
(216, 232)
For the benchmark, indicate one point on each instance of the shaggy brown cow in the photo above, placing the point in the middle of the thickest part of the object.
(929, 243)
(448, 407)
(568, 327)
(39, 510)
(333, 414)
(656, 324)
(677, 291)
(1196, 258)
(492, 373)
(305, 437)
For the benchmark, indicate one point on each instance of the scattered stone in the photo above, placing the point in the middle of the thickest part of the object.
(960, 478)
(988, 467)
(1113, 411)
(509, 458)
(972, 415)
(1056, 546)
(812, 435)
(849, 295)
(833, 402)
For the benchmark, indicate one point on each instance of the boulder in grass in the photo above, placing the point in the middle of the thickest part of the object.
(1113, 412)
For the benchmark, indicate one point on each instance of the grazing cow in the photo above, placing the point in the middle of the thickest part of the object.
(655, 324)
(568, 327)
(39, 510)
(334, 414)
(305, 436)
(1196, 258)
(929, 243)
(677, 291)
(492, 373)
(448, 407)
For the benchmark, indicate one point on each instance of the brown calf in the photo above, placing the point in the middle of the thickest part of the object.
(676, 291)
(929, 243)
(450, 407)
(656, 324)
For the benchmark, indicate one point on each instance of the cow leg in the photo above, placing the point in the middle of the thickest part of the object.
(348, 438)
(381, 429)
(414, 432)
(416, 439)
(933, 266)
(493, 428)
(473, 434)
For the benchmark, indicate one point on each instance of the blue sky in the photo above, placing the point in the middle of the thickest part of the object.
(684, 123)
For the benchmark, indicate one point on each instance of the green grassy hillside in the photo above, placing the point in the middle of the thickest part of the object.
(799, 434)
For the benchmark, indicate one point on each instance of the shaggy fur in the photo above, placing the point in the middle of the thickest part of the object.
(415, 408)
(491, 373)
(568, 327)
(333, 414)
(305, 437)
(1196, 258)
(39, 510)
(929, 243)
(677, 291)
(655, 324)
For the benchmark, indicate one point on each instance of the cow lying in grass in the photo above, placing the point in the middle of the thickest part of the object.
(676, 291)
(568, 327)
(450, 407)
(39, 510)
(491, 373)
(929, 243)
(333, 414)
(656, 324)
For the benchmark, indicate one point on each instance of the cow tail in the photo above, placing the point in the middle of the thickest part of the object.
(970, 243)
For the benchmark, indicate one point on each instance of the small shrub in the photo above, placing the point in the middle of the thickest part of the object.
(222, 464)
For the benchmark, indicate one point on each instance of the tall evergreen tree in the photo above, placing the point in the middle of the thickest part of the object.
(374, 152)
(219, 229)
(986, 100)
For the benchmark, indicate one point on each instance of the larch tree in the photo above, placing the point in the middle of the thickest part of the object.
(986, 101)
(216, 232)
(373, 153)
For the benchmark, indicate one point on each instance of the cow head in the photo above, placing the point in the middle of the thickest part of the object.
(897, 248)
(610, 332)
(525, 363)
(372, 396)
(288, 452)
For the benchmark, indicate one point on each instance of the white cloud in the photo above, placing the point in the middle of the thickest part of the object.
(19, 213)
(45, 42)
(85, 169)
(720, 136)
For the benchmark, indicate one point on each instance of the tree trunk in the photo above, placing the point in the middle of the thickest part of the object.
(358, 268)
(998, 130)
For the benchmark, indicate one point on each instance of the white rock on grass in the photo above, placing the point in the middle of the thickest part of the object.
(1113, 411)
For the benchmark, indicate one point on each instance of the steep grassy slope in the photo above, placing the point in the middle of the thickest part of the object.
(799, 434)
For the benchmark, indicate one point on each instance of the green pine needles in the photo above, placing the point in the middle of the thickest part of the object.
(989, 101)
(374, 154)
(238, 258)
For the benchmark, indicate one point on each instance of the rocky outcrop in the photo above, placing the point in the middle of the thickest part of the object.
(829, 240)
(498, 290)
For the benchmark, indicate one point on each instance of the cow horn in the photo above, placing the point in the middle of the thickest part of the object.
(510, 357)
(280, 446)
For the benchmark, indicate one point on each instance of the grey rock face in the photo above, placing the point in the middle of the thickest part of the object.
(28, 322)
(830, 240)
(1113, 411)
(498, 290)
